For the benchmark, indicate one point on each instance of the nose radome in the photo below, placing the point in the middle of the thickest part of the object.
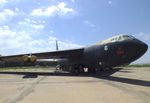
(143, 46)
(136, 49)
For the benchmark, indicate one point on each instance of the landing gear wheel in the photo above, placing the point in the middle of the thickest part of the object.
(77, 69)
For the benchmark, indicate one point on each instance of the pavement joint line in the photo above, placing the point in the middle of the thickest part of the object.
(25, 92)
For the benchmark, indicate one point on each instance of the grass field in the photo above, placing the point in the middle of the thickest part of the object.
(138, 65)
(26, 69)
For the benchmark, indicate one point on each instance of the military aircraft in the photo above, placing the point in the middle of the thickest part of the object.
(109, 53)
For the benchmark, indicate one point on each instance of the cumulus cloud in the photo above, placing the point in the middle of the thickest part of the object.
(20, 32)
(68, 45)
(144, 36)
(59, 9)
(109, 2)
(88, 23)
(65, 44)
(10, 39)
(31, 24)
(3, 1)
(6, 14)
(16, 42)
(73, 1)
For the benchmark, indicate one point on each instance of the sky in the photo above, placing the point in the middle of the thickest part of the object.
(28, 26)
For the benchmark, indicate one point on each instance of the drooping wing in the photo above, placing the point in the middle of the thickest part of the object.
(72, 53)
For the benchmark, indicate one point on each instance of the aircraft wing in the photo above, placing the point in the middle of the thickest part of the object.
(72, 53)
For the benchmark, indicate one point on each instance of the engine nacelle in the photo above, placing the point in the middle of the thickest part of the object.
(31, 58)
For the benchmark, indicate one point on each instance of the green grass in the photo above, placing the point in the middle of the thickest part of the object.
(40, 67)
(14, 68)
(138, 65)
(23, 68)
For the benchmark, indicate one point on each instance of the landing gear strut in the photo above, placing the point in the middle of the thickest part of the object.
(77, 69)
(71, 68)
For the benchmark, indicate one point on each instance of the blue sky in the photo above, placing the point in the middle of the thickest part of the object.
(33, 25)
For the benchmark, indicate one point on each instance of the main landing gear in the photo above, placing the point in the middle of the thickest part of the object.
(79, 69)
(98, 70)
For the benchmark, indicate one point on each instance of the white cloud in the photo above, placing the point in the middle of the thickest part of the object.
(6, 14)
(31, 24)
(51, 31)
(73, 1)
(109, 2)
(63, 44)
(17, 9)
(86, 22)
(38, 26)
(23, 41)
(44, 11)
(67, 45)
(52, 38)
(143, 36)
(59, 9)
(3, 1)
(10, 40)
(63, 9)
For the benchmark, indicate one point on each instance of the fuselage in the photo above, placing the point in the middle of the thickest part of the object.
(112, 52)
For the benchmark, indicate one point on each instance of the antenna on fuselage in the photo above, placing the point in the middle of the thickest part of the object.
(57, 45)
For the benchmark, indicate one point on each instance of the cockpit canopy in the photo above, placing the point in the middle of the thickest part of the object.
(116, 39)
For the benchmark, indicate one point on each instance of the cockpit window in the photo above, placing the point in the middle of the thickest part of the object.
(117, 39)
(114, 39)
(131, 37)
(127, 37)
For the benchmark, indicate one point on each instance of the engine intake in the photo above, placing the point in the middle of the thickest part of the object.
(31, 58)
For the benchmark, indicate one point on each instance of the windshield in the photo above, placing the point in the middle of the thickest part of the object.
(116, 39)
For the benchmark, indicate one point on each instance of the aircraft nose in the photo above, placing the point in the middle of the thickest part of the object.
(145, 47)
(142, 47)
(139, 48)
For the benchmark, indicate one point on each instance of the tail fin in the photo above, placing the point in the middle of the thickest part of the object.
(57, 45)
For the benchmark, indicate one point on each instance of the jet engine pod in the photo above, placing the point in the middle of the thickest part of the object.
(25, 58)
(33, 58)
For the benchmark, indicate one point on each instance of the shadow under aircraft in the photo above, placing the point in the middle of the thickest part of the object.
(107, 75)
(109, 53)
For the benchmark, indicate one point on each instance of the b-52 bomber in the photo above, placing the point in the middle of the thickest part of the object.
(115, 51)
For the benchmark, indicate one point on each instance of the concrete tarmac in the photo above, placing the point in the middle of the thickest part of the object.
(121, 85)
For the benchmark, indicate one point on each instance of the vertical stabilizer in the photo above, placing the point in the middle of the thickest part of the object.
(57, 45)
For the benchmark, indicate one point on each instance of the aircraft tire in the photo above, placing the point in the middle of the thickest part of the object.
(77, 69)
